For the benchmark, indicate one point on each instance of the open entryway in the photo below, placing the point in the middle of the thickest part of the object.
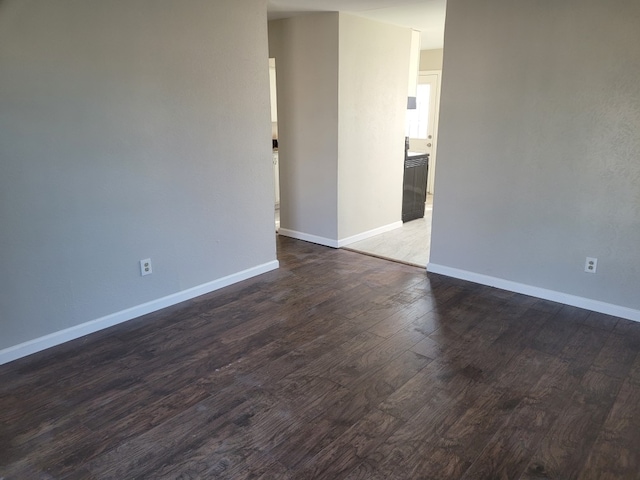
(274, 140)
(422, 123)
(411, 243)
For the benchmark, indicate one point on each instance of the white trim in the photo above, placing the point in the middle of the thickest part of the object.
(554, 296)
(430, 72)
(371, 233)
(434, 150)
(327, 242)
(56, 338)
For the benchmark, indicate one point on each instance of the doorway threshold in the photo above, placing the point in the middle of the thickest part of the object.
(382, 257)
(409, 244)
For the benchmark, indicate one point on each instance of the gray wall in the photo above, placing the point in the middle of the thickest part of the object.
(306, 53)
(374, 73)
(121, 124)
(342, 87)
(539, 145)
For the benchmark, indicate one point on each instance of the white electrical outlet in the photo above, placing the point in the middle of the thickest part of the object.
(145, 267)
(591, 265)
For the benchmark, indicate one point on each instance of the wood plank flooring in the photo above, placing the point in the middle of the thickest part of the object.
(336, 366)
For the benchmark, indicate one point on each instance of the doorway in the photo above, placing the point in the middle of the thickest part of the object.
(422, 123)
(411, 243)
(274, 138)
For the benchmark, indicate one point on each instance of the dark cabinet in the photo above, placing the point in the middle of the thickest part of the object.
(414, 191)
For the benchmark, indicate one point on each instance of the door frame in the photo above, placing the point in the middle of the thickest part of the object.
(432, 157)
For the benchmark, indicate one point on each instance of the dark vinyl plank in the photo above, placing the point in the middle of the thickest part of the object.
(342, 455)
(582, 349)
(209, 420)
(617, 355)
(601, 321)
(523, 406)
(365, 396)
(407, 445)
(565, 447)
(399, 320)
(615, 453)
(337, 365)
(454, 452)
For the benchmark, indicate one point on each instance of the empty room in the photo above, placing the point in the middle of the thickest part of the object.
(154, 325)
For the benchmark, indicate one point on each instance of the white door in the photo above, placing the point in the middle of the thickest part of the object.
(276, 176)
(274, 128)
(422, 122)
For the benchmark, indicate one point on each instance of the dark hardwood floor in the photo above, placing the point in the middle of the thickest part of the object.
(337, 365)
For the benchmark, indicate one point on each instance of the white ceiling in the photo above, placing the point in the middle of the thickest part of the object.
(424, 15)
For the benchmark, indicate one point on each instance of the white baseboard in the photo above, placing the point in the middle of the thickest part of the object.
(554, 296)
(38, 344)
(371, 233)
(327, 242)
(330, 242)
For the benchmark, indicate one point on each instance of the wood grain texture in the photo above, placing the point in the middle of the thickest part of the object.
(336, 366)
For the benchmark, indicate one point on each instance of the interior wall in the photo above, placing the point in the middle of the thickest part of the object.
(306, 52)
(539, 143)
(120, 128)
(374, 73)
(431, 59)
